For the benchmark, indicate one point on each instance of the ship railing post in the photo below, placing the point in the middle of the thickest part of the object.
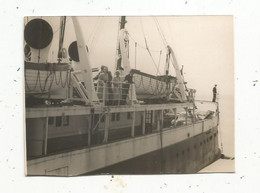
(193, 115)
(143, 125)
(131, 93)
(153, 116)
(133, 126)
(106, 128)
(68, 88)
(120, 93)
(46, 135)
(175, 118)
(131, 86)
(104, 93)
(162, 119)
(89, 130)
(158, 120)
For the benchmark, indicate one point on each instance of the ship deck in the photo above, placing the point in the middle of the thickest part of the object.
(44, 111)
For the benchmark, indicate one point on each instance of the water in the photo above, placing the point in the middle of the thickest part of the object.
(226, 106)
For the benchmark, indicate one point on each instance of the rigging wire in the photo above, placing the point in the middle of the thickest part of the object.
(170, 30)
(144, 47)
(96, 33)
(135, 53)
(93, 34)
(60, 26)
(160, 31)
(147, 48)
(159, 63)
(153, 61)
(94, 30)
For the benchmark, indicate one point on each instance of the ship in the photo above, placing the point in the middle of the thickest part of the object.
(135, 123)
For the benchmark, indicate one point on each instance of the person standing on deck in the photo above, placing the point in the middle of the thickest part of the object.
(101, 84)
(101, 71)
(117, 88)
(214, 93)
(109, 86)
(125, 90)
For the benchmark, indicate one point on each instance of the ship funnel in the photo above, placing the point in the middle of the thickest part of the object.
(38, 35)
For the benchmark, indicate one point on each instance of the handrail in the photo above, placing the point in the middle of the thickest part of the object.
(113, 92)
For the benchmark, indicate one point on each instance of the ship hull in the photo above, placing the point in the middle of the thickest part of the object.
(188, 156)
(185, 149)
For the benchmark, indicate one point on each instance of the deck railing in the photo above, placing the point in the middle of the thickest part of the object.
(114, 93)
(106, 135)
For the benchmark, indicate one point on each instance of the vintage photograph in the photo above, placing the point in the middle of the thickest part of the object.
(129, 95)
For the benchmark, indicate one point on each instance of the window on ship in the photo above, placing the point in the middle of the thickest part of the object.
(51, 121)
(113, 116)
(118, 116)
(58, 121)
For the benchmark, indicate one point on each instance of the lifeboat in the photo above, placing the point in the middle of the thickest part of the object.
(42, 78)
(150, 87)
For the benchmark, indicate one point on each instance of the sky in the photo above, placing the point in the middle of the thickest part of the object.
(202, 44)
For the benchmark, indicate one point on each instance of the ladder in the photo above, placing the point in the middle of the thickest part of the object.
(177, 94)
(148, 121)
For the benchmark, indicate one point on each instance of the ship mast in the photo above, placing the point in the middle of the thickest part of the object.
(122, 22)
